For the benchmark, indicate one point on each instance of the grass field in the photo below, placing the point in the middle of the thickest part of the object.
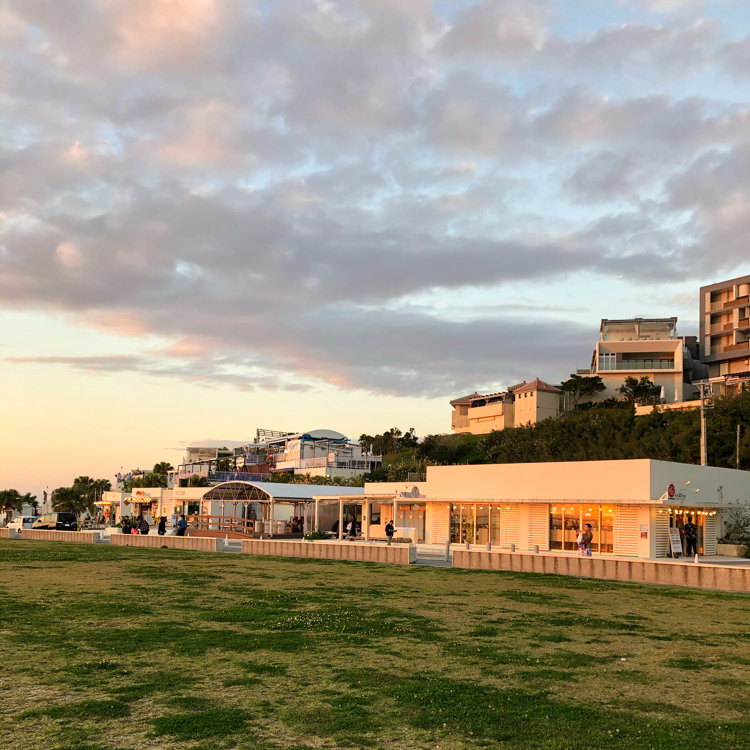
(107, 647)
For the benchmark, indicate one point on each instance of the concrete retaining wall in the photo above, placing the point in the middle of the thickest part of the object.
(196, 543)
(730, 550)
(7, 533)
(401, 554)
(88, 537)
(722, 577)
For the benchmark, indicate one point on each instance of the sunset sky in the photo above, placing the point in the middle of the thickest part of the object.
(218, 215)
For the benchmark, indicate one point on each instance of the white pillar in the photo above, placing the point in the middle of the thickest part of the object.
(341, 519)
(270, 520)
(395, 512)
(317, 515)
(366, 520)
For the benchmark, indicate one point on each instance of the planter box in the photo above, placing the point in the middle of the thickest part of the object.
(731, 550)
(400, 554)
(702, 576)
(196, 543)
(87, 537)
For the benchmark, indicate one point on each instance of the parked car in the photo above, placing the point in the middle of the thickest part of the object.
(22, 522)
(58, 521)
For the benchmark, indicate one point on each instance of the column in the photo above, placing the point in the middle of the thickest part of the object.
(270, 520)
(366, 520)
(341, 519)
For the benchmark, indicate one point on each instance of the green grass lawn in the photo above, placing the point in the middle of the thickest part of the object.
(111, 647)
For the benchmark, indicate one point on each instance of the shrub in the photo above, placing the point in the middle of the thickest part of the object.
(317, 534)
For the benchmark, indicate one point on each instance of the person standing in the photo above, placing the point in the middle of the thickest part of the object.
(143, 527)
(353, 528)
(389, 529)
(586, 539)
(181, 526)
(162, 528)
(691, 537)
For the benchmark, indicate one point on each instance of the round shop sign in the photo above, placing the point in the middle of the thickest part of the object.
(670, 491)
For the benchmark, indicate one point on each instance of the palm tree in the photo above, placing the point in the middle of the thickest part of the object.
(10, 501)
(163, 467)
(69, 500)
(101, 486)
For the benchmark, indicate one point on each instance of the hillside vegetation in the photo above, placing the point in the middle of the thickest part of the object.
(607, 431)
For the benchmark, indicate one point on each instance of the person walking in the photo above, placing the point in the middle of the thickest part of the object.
(353, 528)
(691, 538)
(181, 526)
(389, 529)
(162, 528)
(586, 539)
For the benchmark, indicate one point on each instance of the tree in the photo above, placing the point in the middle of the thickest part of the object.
(366, 442)
(582, 387)
(10, 502)
(642, 390)
(70, 500)
(101, 486)
(163, 467)
(149, 480)
(196, 480)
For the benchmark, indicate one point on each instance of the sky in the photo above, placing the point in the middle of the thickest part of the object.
(219, 215)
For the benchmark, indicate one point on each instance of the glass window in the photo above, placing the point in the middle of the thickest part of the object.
(555, 527)
(483, 524)
(495, 524)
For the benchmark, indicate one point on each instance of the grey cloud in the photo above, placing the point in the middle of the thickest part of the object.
(304, 168)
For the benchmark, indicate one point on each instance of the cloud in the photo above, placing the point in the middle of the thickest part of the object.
(267, 193)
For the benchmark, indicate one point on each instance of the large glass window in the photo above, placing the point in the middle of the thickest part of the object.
(567, 521)
(483, 524)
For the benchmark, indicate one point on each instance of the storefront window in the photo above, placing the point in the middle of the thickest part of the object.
(495, 524)
(555, 527)
(455, 524)
(567, 521)
(483, 524)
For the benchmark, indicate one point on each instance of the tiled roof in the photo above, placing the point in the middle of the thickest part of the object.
(535, 385)
(466, 399)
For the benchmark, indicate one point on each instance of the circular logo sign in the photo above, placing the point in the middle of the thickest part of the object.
(670, 490)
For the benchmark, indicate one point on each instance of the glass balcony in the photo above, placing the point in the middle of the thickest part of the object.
(637, 364)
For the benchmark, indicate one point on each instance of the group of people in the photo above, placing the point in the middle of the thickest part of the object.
(688, 535)
(352, 528)
(139, 525)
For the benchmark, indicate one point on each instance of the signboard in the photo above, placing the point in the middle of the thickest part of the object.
(670, 491)
(644, 531)
(675, 541)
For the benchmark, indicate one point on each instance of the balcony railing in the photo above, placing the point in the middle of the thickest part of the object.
(638, 364)
(735, 347)
(236, 476)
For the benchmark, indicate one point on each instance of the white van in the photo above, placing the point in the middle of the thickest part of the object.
(22, 522)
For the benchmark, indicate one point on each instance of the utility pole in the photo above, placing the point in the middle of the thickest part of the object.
(705, 406)
(738, 446)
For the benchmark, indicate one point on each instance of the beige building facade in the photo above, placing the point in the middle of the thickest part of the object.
(725, 334)
(631, 505)
(522, 404)
(643, 347)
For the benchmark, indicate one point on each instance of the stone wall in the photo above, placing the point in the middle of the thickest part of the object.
(88, 537)
(196, 543)
(705, 576)
(401, 554)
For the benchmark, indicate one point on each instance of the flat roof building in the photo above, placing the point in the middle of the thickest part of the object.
(631, 505)
(725, 333)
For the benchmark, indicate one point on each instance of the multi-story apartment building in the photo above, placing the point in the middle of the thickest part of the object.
(324, 453)
(522, 404)
(725, 333)
(649, 347)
